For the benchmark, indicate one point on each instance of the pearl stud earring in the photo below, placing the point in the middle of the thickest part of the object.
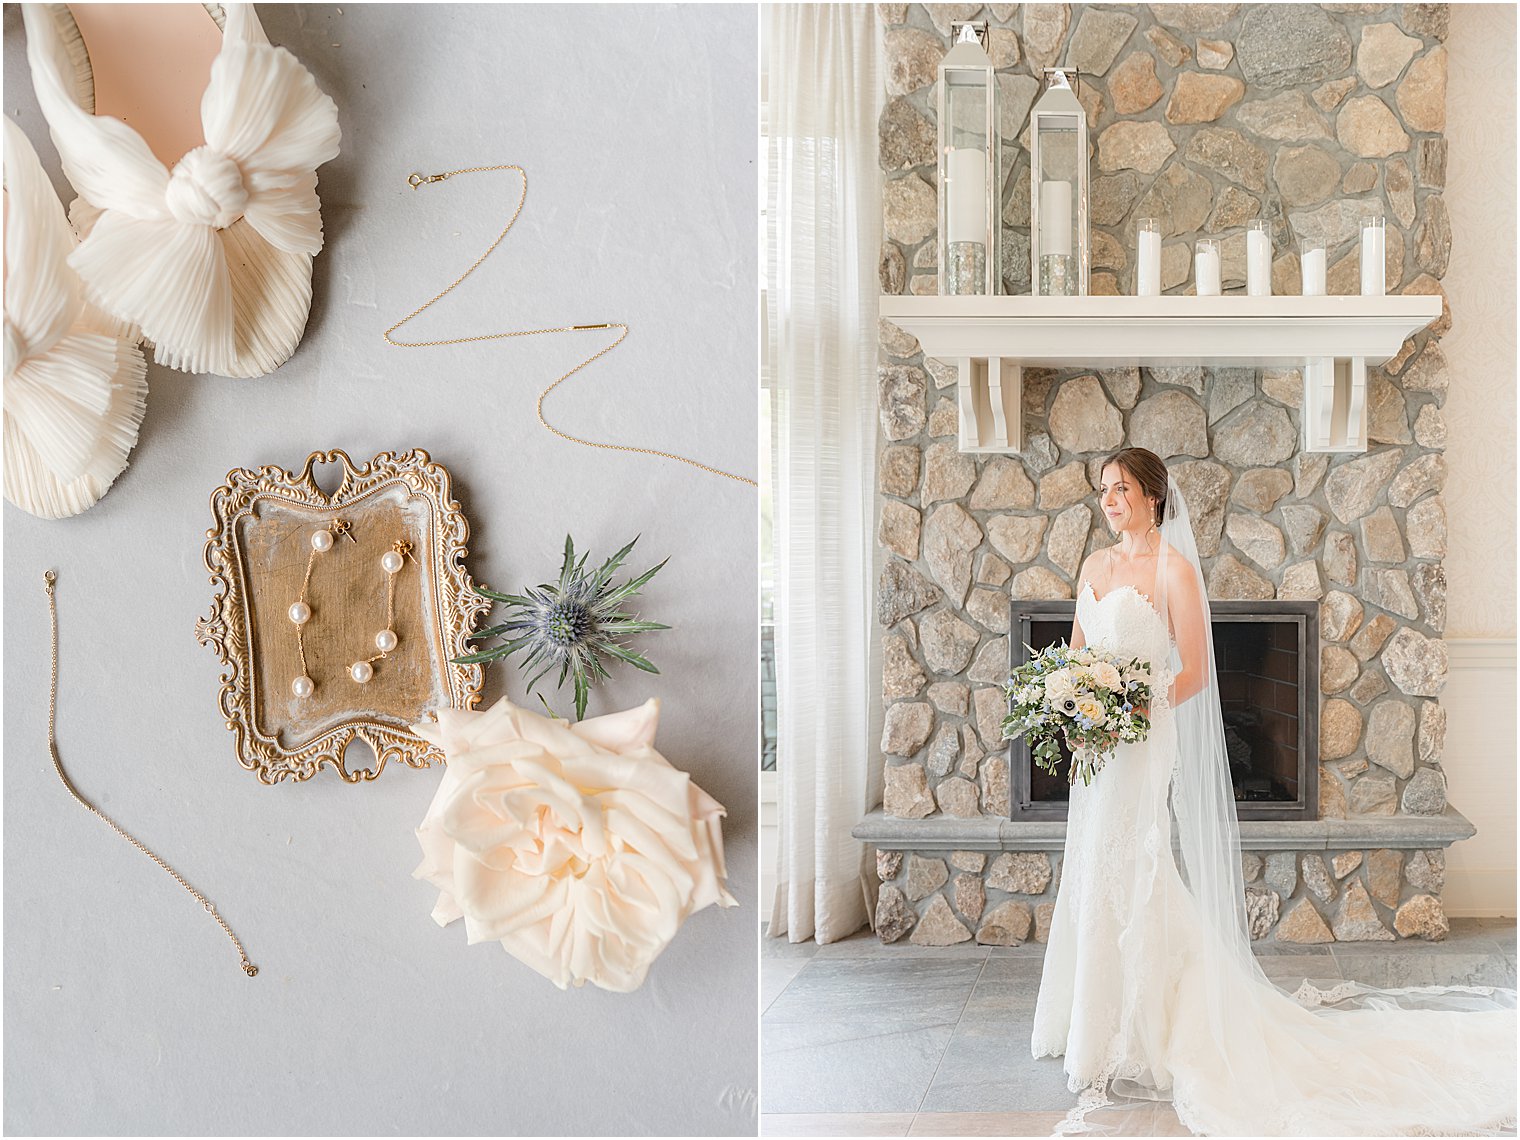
(300, 610)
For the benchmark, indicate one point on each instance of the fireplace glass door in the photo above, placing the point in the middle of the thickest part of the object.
(1267, 655)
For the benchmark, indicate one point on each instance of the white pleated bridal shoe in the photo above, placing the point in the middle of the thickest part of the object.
(193, 145)
(74, 387)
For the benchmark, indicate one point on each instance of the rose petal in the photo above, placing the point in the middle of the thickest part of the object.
(622, 731)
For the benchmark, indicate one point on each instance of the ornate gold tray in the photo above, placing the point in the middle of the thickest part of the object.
(257, 552)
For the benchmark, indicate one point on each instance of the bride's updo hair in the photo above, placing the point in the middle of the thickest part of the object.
(1147, 469)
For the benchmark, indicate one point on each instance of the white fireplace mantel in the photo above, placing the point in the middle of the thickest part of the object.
(1332, 339)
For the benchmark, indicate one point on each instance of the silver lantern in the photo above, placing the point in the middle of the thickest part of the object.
(1058, 245)
(969, 223)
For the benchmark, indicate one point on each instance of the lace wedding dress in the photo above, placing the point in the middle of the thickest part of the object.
(1144, 999)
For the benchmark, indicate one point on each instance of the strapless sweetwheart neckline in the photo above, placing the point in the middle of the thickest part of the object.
(1144, 597)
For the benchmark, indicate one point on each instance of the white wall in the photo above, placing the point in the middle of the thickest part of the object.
(1480, 770)
(1480, 418)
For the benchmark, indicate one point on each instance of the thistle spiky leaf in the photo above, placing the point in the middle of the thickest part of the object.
(630, 626)
(496, 597)
(628, 589)
(634, 659)
(576, 624)
(612, 565)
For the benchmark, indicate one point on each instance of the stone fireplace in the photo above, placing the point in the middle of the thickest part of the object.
(1206, 117)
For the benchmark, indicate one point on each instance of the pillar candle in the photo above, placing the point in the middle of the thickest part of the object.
(966, 206)
(1206, 270)
(1372, 261)
(1258, 263)
(1148, 269)
(1313, 261)
(1055, 218)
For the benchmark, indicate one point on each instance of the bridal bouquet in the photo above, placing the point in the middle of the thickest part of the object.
(1086, 696)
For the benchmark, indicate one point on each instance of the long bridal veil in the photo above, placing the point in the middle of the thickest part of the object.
(1352, 1059)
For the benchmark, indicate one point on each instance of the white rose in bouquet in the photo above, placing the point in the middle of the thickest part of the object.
(1107, 676)
(1059, 686)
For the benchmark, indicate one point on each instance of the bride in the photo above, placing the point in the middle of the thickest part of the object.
(1150, 990)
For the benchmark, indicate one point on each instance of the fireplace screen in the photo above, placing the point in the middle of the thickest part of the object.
(1267, 654)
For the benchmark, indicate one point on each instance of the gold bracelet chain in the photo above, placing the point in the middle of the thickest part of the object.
(416, 180)
(50, 578)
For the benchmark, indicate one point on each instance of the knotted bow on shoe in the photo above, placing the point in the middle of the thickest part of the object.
(206, 189)
(169, 251)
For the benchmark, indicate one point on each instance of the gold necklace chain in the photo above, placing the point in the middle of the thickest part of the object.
(248, 967)
(416, 180)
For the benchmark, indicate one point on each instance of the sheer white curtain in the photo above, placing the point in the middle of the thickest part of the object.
(823, 202)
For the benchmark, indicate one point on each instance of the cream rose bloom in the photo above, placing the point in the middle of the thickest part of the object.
(1106, 675)
(577, 846)
(1091, 708)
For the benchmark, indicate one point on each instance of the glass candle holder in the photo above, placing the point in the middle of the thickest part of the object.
(1258, 260)
(1374, 253)
(969, 245)
(1311, 259)
(1148, 258)
(1058, 194)
(1206, 257)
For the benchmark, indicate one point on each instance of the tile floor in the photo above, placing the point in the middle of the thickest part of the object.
(861, 1039)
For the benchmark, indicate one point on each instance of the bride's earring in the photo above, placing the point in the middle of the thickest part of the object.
(386, 640)
(300, 610)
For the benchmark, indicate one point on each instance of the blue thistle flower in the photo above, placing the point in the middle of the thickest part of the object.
(575, 624)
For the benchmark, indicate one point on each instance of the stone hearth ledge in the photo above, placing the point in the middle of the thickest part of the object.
(1362, 833)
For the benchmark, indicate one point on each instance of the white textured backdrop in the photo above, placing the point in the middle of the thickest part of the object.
(1480, 281)
(125, 1011)
(1480, 454)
